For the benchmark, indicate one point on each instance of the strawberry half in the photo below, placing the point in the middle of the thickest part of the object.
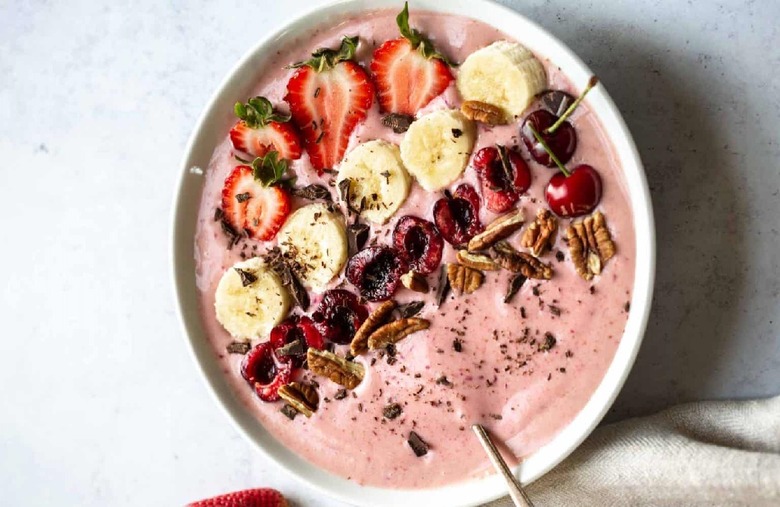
(408, 71)
(253, 200)
(259, 497)
(261, 130)
(328, 96)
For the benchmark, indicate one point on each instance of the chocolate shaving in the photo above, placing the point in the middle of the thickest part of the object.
(289, 411)
(345, 192)
(410, 309)
(238, 347)
(218, 214)
(457, 345)
(277, 263)
(515, 283)
(247, 278)
(398, 122)
(444, 285)
(456, 133)
(357, 235)
(417, 444)
(312, 193)
(444, 381)
(340, 394)
(392, 411)
(549, 342)
(243, 197)
(294, 348)
(230, 232)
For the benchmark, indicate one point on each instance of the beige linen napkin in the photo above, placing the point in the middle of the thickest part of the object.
(705, 453)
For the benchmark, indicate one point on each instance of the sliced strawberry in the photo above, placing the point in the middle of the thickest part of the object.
(252, 200)
(261, 130)
(408, 71)
(265, 372)
(259, 497)
(328, 96)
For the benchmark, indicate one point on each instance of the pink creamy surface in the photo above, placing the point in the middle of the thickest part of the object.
(525, 397)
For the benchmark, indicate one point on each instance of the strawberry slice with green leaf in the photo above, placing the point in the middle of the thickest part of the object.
(260, 129)
(328, 96)
(408, 71)
(254, 199)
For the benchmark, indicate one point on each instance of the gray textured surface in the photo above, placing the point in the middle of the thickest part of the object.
(103, 406)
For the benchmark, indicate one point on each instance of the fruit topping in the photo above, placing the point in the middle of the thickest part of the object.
(395, 331)
(408, 71)
(258, 497)
(339, 315)
(302, 397)
(503, 174)
(419, 244)
(540, 234)
(253, 201)
(376, 272)
(293, 337)
(457, 215)
(327, 364)
(463, 279)
(590, 245)
(265, 372)
(328, 96)
(261, 130)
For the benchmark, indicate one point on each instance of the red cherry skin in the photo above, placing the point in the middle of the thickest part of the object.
(574, 195)
(562, 142)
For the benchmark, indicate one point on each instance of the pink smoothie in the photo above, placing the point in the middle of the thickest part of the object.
(501, 378)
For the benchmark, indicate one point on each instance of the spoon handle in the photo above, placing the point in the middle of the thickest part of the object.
(516, 491)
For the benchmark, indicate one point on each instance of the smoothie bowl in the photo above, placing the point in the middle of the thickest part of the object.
(393, 224)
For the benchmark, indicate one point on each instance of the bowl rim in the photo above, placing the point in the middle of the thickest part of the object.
(187, 194)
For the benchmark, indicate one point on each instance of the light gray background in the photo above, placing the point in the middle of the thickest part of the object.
(101, 403)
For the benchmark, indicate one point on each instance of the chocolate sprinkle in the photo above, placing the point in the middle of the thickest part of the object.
(243, 197)
(457, 345)
(392, 411)
(289, 411)
(417, 444)
(238, 347)
(312, 193)
(398, 122)
(444, 285)
(549, 342)
(340, 394)
(218, 214)
(515, 283)
(345, 193)
(247, 278)
(410, 309)
(456, 133)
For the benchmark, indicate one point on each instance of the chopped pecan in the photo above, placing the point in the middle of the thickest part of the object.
(327, 364)
(482, 112)
(500, 228)
(540, 234)
(415, 281)
(396, 331)
(302, 397)
(477, 261)
(520, 262)
(590, 245)
(464, 279)
(378, 317)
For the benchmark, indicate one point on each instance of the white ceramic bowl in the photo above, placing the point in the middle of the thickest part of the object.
(211, 129)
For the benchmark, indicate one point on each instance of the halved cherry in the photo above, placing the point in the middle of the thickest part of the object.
(265, 372)
(376, 272)
(339, 315)
(294, 336)
(457, 215)
(503, 175)
(419, 244)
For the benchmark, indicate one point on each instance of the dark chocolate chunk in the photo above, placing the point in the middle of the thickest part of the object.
(513, 288)
(410, 309)
(238, 347)
(390, 349)
(232, 235)
(345, 192)
(557, 101)
(312, 193)
(417, 444)
(444, 285)
(444, 381)
(357, 235)
(289, 411)
(340, 394)
(554, 310)
(559, 256)
(294, 348)
(549, 342)
(398, 122)
(247, 278)
(627, 307)
(392, 411)
(457, 345)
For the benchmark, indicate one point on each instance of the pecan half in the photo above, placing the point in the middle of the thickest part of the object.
(482, 112)
(378, 317)
(477, 261)
(415, 281)
(540, 234)
(396, 331)
(520, 262)
(500, 228)
(302, 397)
(464, 279)
(590, 245)
(327, 364)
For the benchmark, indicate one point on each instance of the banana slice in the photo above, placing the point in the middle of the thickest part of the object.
(437, 147)
(376, 174)
(504, 74)
(316, 240)
(250, 299)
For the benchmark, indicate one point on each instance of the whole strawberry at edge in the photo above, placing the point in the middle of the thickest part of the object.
(408, 71)
(258, 497)
(260, 130)
(328, 95)
(253, 200)
(503, 175)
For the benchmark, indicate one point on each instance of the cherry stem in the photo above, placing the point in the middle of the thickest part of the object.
(539, 139)
(593, 81)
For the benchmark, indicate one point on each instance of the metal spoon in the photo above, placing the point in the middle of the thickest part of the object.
(516, 491)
